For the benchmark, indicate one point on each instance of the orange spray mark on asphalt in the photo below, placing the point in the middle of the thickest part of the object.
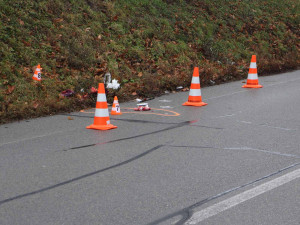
(147, 112)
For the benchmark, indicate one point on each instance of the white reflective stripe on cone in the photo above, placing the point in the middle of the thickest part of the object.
(195, 92)
(101, 98)
(37, 76)
(101, 113)
(195, 80)
(253, 65)
(252, 76)
(108, 122)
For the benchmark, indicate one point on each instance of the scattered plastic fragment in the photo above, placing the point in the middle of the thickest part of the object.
(67, 93)
(94, 90)
(114, 84)
(179, 88)
(142, 107)
(212, 82)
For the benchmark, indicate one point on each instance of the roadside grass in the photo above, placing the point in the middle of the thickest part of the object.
(148, 46)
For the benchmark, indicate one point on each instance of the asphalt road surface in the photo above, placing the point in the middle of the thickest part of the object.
(235, 161)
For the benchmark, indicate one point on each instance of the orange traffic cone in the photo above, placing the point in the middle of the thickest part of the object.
(252, 80)
(37, 73)
(101, 119)
(195, 98)
(116, 107)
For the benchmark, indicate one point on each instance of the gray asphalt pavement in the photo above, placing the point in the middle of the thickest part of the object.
(234, 161)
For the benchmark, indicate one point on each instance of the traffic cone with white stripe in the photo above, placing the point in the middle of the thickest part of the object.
(37, 73)
(195, 98)
(252, 80)
(116, 107)
(101, 119)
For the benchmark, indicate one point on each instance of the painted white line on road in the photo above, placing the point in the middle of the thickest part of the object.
(242, 121)
(265, 86)
(262, 150)
(166, 107)
(35, 137)
(240, 198)
(269, 126)
(281, 128)
(165, 100)
(220, 96)
(228, 115)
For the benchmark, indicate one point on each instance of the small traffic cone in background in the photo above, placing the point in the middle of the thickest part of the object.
(101, 119)
(252, 80)
(116, 107)
(37, 73)
(195, 98)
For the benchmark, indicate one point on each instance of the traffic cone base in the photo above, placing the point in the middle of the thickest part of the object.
(101, 127)
(115, 113)
(194, 104)
(252, 86)
(34, 78)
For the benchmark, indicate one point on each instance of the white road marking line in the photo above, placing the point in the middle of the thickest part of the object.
(220, 96)
(281, 128)
(240, 198)
(266, 125)
(166, 107)
(35, 137)
(165, 100)
(262, 150)
(265, 86)
(228, 115)
(242, 121)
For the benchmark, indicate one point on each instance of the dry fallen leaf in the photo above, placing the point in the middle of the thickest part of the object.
(70, 118)
(10, 89)
(35, 105)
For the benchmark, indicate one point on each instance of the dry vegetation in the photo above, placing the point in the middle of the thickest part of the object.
(149, 46)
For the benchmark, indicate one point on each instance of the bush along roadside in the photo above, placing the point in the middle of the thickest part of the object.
(148, 46)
